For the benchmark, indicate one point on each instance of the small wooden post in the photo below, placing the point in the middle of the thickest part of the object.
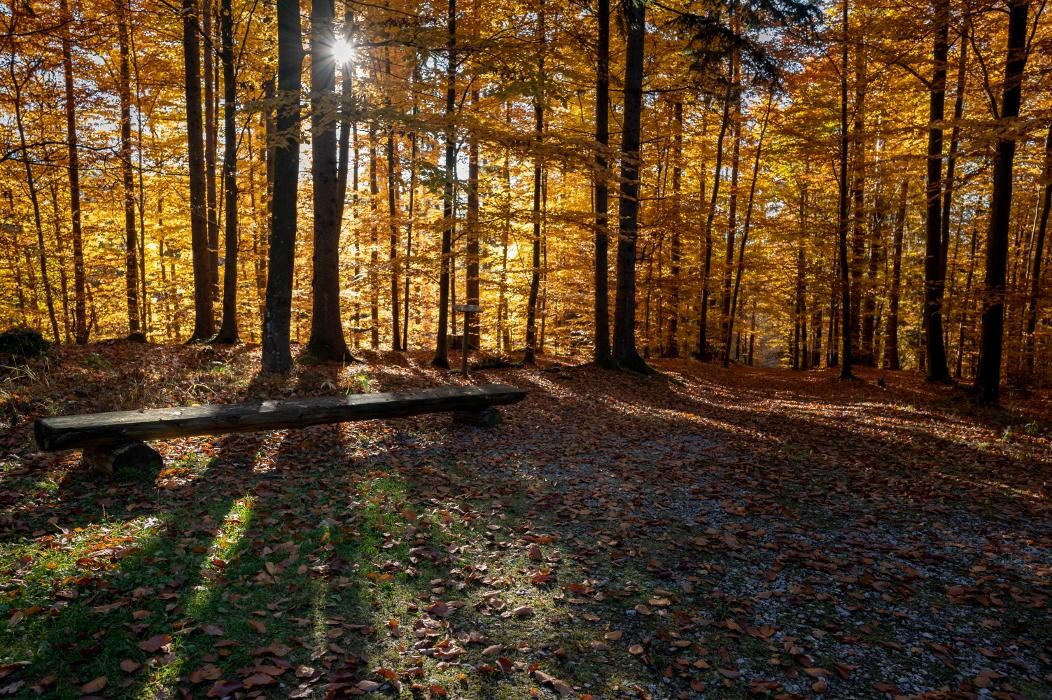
(465, 309)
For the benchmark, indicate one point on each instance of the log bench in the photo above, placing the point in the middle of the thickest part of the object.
(116, 440)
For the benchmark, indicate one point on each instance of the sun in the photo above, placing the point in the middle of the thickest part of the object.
(343, 52)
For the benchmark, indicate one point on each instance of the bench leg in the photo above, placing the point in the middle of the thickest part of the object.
(124, 459)
(485, 418)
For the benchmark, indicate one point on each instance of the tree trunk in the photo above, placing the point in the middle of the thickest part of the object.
(392, 216)
(891, 342)
(374, 242)
(988, 379)
(675, 247)
(1034, 298)
(703, 322)
(80, 317)
(842, 213)
(203, 320)
(211, 146)
(228, 328)
(276, 354)
(748, 214)
(857, 167)
(131, 237)
(441, 358)
(933, 256)
(732, 215)
(625, 353)
(472, 232)
(530, 356)
(601, 351)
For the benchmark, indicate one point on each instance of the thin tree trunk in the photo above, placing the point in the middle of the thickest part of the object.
(211, 146)
(80, 322)
(1034, 298)
(392, 212)
(842, 212)
(732, 216)
(988, 379)
(966, 306)
(276, 353)
(703, 323)
(857, 166)
(374, 242)
(441, 358)
(472, 233)
(675, 247)
(891, 342)
(131, 234)
(748, 214)
(530, 355)
(228, 328)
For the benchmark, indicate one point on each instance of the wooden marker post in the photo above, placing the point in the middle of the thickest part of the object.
(465, 309)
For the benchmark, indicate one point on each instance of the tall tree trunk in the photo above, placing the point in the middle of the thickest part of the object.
(131, 237)
(34, 198)
(80, 295)
(472, 232)
(392, 216)
(374, 242)
(934, 281)
(748, 215)
(203, 321)
(1034, 298)
(228, 328)
(211, 145)
(857, 167)
(891, 342)
(710, 216)
(530, 356)
(441, 358)
(625, 353)
(601, 351)
(988, 379)
(276, 353)
(675, 247)
(732, 215)
(411, 218)
(966, 306)
(347, 116)
(842, 212)
(955, 140)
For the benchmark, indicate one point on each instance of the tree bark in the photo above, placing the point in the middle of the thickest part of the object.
(625, 353)
(80, 316)
(530, 355)
(211, 146)
(710, 216)
(988, 379)
(472, 232)
(842, 212)
(204, 324)
(1034, 298)
(131, 237)
(277, 356)
(228, 328)
(601, 351)
(441, 358)
(934, 281)
(732, 215)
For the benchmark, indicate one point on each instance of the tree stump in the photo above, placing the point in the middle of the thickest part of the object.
(124, 460)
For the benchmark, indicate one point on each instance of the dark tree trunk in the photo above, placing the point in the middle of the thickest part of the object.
(530, 356)
(1034, 298)
(392, 214)
(80, 294)
(955, 140)
(131, 233)
(966, 306)
(204, 323)
(934, 282)
(441, 358)
(675, 252)
(857, 167)
(842, 214)
(891, 342)
(601, 351)
(276, 353)
(374, 242)
(988, 379)
(625, 353)
(748, 216)
(211, 146)
(710, 216)
(471, 281)
(228, 328)
(732, 216)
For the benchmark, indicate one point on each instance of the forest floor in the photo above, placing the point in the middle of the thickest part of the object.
(697, 533)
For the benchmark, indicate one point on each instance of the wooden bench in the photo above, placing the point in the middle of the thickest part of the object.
(117, 439)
